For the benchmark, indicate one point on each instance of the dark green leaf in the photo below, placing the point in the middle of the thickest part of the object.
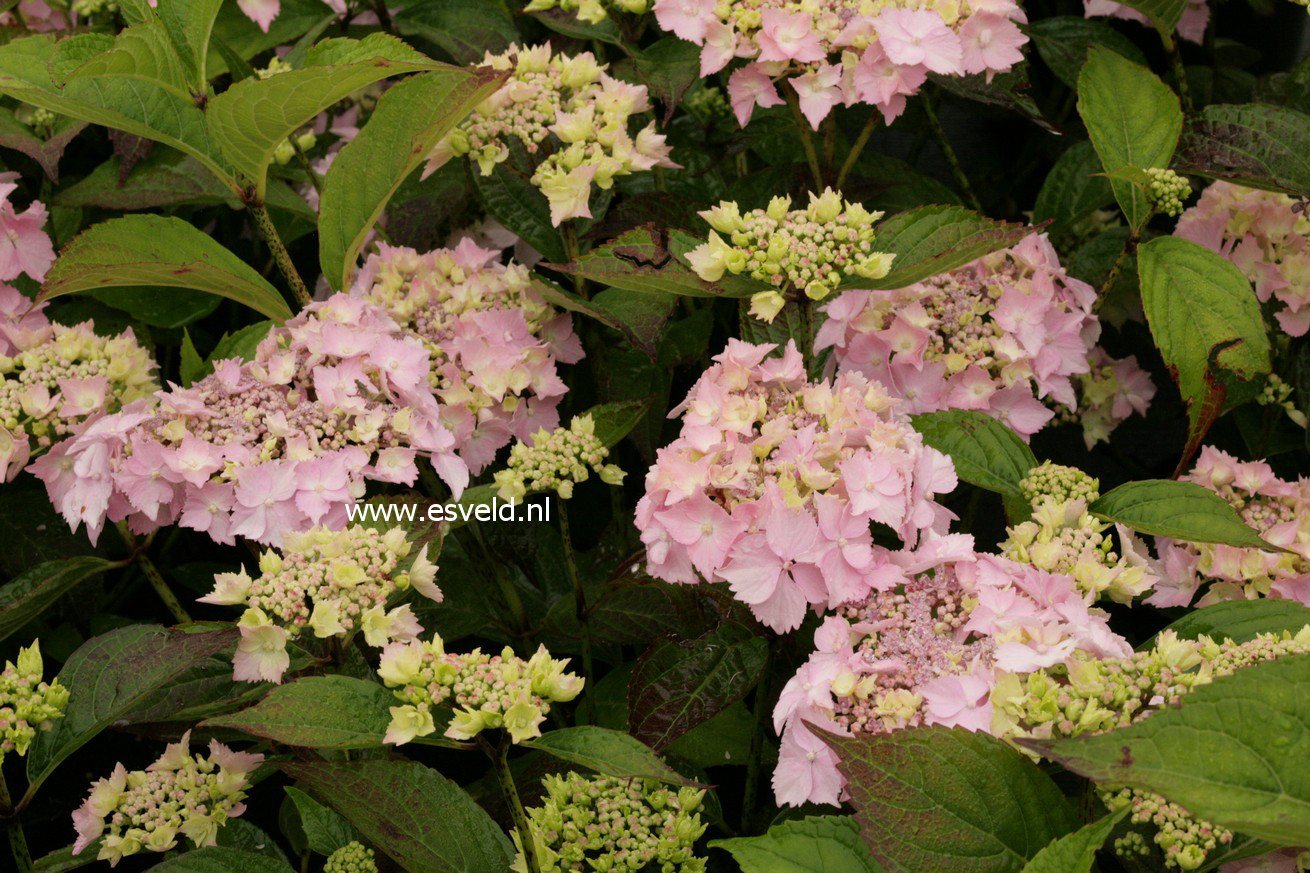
(217, 859)
(1075, 852)
(465, 32)
(608, 752)
(31, 593)
(668, 67)
(639, 315)
(512, 199)
(985, 452)
(318, 712)
(934, 239)
(814, 844)
(1254, 145)
(1063, 41)
(1242, 620)
(1178, 510)
(325, 830)
(1074, 187)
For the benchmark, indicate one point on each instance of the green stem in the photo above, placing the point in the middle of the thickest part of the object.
(757, 743)
(951, 159)
(811, 156)
(572, 250)
(500, 757)
(264, 222)
(1180, 72)
(860, 142)
(1130, 246)
(829, 143)
(384, 15)
(17, 839)
(161, 587)
(580, 609)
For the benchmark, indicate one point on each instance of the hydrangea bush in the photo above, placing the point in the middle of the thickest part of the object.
(654, 436)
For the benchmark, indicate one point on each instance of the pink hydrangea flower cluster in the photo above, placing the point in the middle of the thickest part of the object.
(60, 378)
(1191, 27)
(1000, 335)
(927, 651)
(24, 245)
(845, 52)
(333, 583)
(337, 396)
(493, 342)
(38, 16)
(487, 691)
(179, 795)
(1268, 240)
(1276, 509)
(774, 481)
(572, 98)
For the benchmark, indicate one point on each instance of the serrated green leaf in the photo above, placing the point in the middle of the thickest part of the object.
(325, 830)
(614, 421)
(1206, 322)
(412, 813)
(465, 32)
(1242, 620)
(142, 52)
(191, 366)
(569, 24)
(814, 844)
(608, 752)
(1074, 187)
(1255, 145)
(1063, 41)
(165, 178)
(253, 117)
(985, 452)
(934, 798)
(407, 123)
(190, 24)
(25, 597)
(639, 315)
(668, 67)
(512, 199)
(1133, 120)
(1164, 14)
(1178, 510)
(46, 152)
(154, 250)
(1233, 752)
(1075, 852)
(218, 859)
(317, 712)
(934, 239)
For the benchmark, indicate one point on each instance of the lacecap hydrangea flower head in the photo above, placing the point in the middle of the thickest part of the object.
(556, 461)
(1088, 694)
(806, 251)
(328, 583)
(180, 795)
(1266, 237)
(927, 651)
(336, 396)
(774, 482)
(569, 116)
(1276, 509)
(600, 823)
(486, 691)
(494, 344)
(27, 702)
(844, 52)
(1011, 334)
(56, 378)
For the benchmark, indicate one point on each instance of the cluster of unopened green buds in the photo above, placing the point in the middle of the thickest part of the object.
(353, 857)
(557, 460)
(38, 118)
(1167, 191)
(808, 250)
(87, 8)
(590, 11)
(27, 703)
(607, 825)
(709, 103)
(1276, 392)
(1059, 482)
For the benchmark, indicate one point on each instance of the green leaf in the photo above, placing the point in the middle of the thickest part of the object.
(409, 120)
(425, 822)
(36, 590)
(241, 344)
(814, 844)
(946, 799)
(190, 24)
(1063, 41)
(639, 315)
(1206, 322)
(165, 178)
(608, 752)
(318, 712)
(157, 308)
(325, 830)
(217, 859)
(1164, 14)
(155, 250)
(142, 52)
(191, 367)
(253, 117)
(1074, 187)
(245, 39)
(668, 67)
(512, 199)
(46, 152)
(1075, 852)
(1242, 620)
(985, 452)
(934, 239)
(1255, 145)
(1232, 753)
(614, 421)
(1009, 90)
(463, 31)
(1133, 120)
(112, 674)
(569, 24)
(680, 683)
(1178, 510)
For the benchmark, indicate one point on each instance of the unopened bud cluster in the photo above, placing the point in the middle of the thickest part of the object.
(486, 691)
(334, 583)
(180, 795)
(557, 460)
(590, 11)
(809, 250)
(1167, 191)
(614, 826)
(27, 704)
(1058, 482)
(87, 8)
(353, 857)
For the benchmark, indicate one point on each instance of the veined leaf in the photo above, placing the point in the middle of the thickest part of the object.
(138, 250)
(1252, 144)
(464, 32)
(934, 239)
(30, 594)
(317, 712)
(220, 859)
(46, 152)
(1178, 510)
(814, 844)
(639, 315)
(190, 23)
(1063, 41)
(608, 752)
(325, 830)
(142, 52)
(614, 421)
(1075, 852)
(1074, 187)
(985, 452)
(1242, 620)
(410, 119)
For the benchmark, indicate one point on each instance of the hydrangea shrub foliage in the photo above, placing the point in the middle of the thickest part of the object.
(655, 436)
